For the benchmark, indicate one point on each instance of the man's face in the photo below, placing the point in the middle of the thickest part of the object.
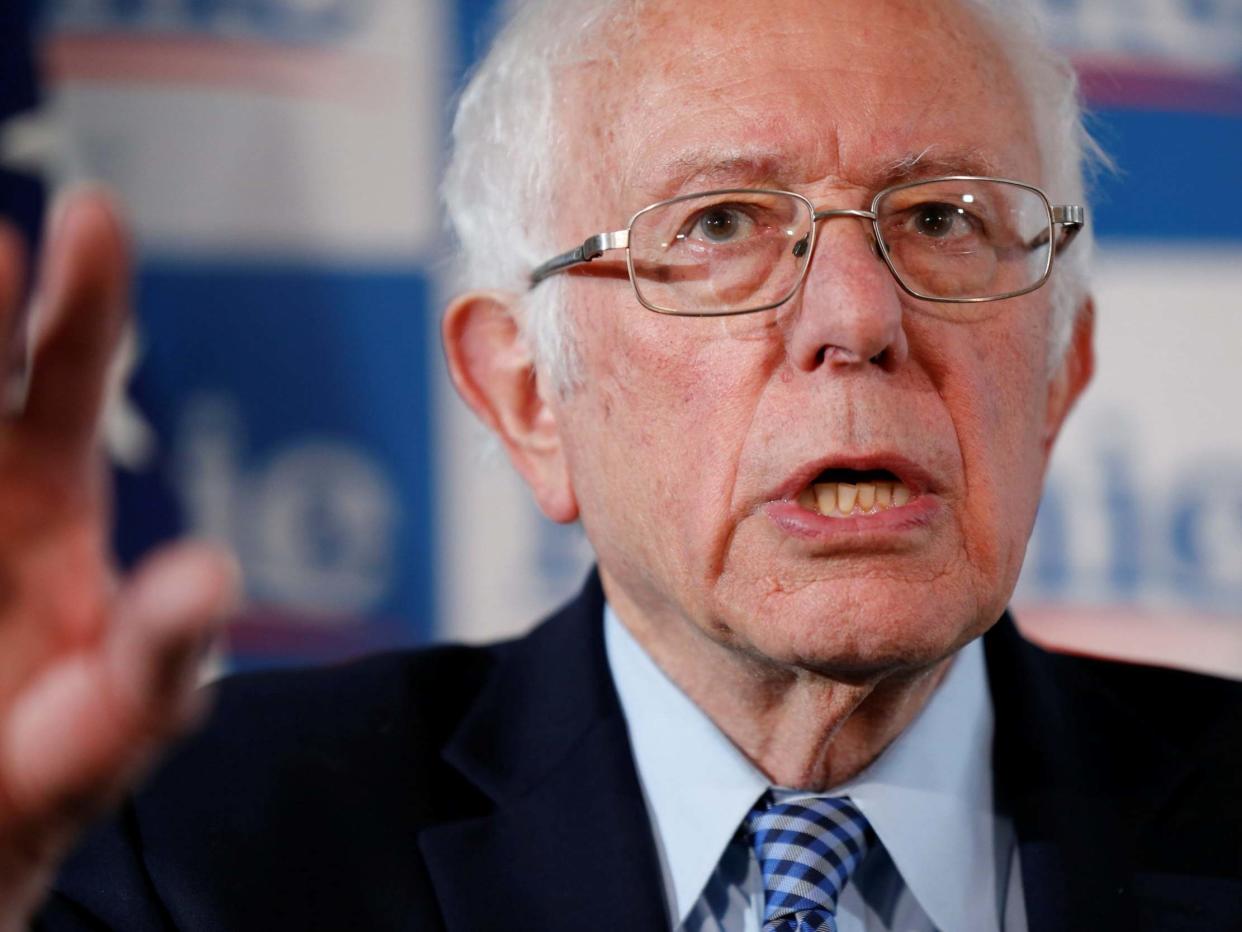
(690, 439)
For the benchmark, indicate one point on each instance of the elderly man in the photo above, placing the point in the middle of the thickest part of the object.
(802, 402)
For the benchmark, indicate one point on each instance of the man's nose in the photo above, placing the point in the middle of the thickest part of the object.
(850, 312)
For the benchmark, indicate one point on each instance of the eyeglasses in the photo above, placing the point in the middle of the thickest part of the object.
(960, 240)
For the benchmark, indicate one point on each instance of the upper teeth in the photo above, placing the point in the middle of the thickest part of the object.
(842, 499)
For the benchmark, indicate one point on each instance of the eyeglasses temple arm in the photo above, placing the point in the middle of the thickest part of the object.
(592, 248)
(1071, 218)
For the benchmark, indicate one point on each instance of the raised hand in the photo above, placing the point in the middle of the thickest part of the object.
(97, 672)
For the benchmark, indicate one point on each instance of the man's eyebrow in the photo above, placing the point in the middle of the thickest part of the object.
(932, 162)
(705, 168)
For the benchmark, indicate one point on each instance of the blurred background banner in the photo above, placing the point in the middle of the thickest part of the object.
(279, 159)
(279, 162)
(1139, 537)
(21, 189)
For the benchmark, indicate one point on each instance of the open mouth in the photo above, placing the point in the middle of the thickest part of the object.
(849, 493)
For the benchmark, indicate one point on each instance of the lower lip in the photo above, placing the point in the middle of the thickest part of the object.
(893, 523)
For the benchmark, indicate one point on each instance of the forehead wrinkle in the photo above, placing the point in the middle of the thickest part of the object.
(705, 167)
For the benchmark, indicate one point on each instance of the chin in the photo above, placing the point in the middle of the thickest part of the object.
(891, 628)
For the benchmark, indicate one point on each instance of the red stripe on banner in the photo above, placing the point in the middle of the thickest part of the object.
(297, 71)
(278, 633)
(1199, 641)
(1150, 85)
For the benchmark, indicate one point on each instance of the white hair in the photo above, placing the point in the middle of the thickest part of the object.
(509, 145)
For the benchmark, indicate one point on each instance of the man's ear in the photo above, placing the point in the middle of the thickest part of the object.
(494, 371)
(1073, 375)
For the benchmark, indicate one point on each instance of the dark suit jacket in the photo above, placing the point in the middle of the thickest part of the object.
(471, 789)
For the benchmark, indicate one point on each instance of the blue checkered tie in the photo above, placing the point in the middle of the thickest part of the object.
(807, 851)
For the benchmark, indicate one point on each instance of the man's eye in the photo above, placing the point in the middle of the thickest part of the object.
(941, 221)
(722, 225)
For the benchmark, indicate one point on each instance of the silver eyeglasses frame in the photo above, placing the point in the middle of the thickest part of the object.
(1068, 218)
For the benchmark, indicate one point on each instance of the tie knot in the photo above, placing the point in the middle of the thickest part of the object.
(807, 851)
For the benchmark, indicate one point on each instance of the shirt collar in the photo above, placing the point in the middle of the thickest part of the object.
(933, 781)
(698, 786)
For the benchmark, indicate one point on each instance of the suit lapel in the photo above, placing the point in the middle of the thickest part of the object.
(1088, 777)
(567, 844)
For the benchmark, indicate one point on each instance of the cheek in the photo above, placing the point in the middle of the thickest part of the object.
(996, 397)
(657, 431)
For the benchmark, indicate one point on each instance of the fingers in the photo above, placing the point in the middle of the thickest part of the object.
(168, 617)
(81, 307)
(87, 726)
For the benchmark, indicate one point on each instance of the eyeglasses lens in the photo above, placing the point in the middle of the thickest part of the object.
(966, 239)
(721, 252)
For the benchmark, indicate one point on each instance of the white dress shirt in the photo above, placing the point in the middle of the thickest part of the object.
(947, 861)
